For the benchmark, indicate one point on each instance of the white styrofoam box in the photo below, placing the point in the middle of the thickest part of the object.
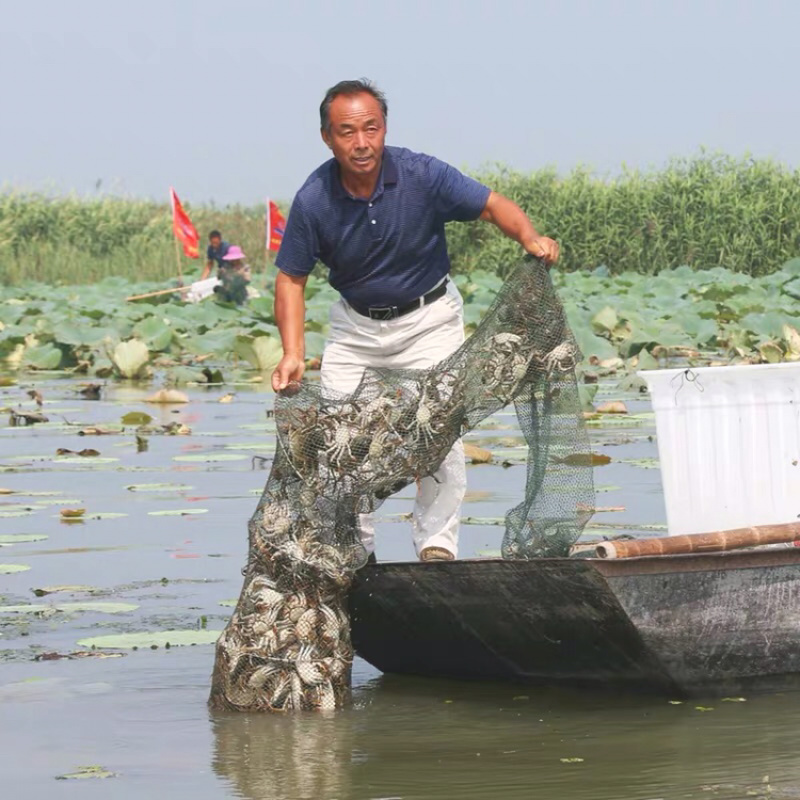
(199, 290)
(729, 445)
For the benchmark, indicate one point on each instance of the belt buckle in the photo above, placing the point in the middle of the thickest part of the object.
(383, 313)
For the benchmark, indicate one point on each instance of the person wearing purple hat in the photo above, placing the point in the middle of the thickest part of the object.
(234, 275)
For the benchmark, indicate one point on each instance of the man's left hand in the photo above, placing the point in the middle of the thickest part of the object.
(544, 248)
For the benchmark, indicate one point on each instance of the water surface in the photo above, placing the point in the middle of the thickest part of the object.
(143, 716)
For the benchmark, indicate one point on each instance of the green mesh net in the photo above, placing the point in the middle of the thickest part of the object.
(287, 645)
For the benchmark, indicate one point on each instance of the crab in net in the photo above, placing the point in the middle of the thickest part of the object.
(287, 645)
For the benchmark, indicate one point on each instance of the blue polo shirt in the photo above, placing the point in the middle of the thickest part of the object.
(217, 255)
(386, 250)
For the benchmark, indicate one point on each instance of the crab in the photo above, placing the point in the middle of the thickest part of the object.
(276, 518)
(338, 443)
(421, 427)
(309, 668)
(506, 366)
(561, 358)
(376, 411)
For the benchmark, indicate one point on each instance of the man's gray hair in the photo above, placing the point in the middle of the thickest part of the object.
(350, 88)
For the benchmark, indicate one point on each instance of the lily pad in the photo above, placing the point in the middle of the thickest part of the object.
(58, 501)
(83, 773)
(261, 352)
(7, 569)
(45, 590)
(642, 463)
(130, 358)
(99, 608)
(87, 462)
(174, 638)
(159, 487)
(136, 418)
(210, 457)
(177, 512)
(15, 538)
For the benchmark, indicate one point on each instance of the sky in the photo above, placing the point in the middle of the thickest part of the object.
(221, 100)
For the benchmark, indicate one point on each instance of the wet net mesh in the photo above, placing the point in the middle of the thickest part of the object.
(287, 645)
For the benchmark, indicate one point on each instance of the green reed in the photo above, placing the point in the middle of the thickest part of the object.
(68, 240)
(711, 210)
(743, 214)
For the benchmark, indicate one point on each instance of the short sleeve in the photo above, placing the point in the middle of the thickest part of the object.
(299, 248)
(458, 197)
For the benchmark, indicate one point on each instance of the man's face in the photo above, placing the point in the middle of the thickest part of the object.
(357, 133)
(215, 242)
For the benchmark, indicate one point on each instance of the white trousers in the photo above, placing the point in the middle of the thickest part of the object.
(417, 340)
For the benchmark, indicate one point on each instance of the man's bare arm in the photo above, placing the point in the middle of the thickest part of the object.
(207, 270)
(514, 223)
(290, 317)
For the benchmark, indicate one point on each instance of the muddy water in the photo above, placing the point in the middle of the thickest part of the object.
(142, 715)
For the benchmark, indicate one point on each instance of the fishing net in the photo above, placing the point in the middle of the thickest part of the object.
(287, 644)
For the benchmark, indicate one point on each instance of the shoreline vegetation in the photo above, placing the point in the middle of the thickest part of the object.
(704, 212)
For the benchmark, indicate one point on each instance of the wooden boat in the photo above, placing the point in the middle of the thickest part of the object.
(682, 624)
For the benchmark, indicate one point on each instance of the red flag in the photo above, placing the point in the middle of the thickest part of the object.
(182, 227)
(276, 225)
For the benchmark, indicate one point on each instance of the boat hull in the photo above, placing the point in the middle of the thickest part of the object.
(677, 624)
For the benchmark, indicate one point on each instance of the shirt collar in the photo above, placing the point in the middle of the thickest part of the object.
(387, 177)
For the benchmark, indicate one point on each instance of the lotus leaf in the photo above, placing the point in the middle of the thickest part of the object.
(178, 512)
(7, 569)
(173, 638)
(605, 320)
(98, 608)
(771, 352)
(16, 538)
(130, 358)
(46, 356)
(792, 338)
(159, 487)
(261, 352)
(89, 772)
(211, 457)
(155, 332)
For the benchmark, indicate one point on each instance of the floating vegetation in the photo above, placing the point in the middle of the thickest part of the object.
(159, 487)
(93, 772)
(177, 512)
(151, 640)
(72, 589)
(42, 608)
(210, 457)
(17, 538)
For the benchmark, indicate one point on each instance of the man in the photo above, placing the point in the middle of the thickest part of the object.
(375, 216)
(217, 250)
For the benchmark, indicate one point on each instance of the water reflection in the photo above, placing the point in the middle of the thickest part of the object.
(278, 757)
(414, 739)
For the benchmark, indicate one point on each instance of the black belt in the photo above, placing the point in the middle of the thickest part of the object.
(393, 312)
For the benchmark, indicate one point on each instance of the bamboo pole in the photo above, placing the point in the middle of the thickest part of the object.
(178, 260)
(158, 292)
(714, 541)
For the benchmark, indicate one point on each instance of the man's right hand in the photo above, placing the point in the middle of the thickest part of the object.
(290, 368)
